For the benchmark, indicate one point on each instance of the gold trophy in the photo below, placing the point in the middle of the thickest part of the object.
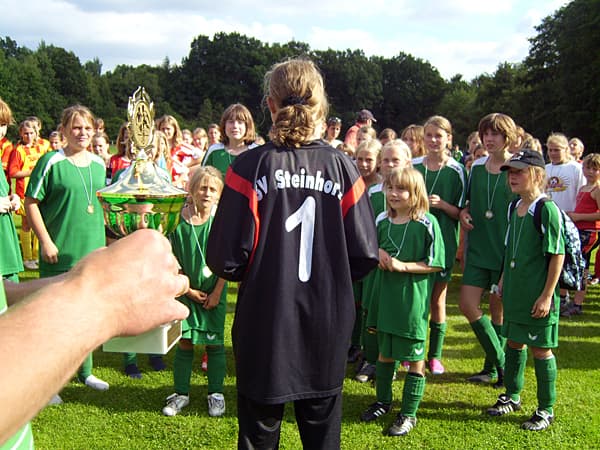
(142, 198)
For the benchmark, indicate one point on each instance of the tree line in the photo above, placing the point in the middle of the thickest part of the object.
(555, 88)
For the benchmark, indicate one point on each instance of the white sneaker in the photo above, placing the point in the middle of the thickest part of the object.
(216, 404)
(175, 403)
(31, 265)
(96, 383)
(55, 400)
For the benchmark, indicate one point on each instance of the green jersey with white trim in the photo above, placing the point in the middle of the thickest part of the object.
(377, 199)
(450, 183)
(10, 252)
(526, 264)
(489, 197)
(65, 192)
(404, 297)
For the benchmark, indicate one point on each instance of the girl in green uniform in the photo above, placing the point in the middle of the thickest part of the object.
(484, 221)
(206, 297)
(446, 182)
(62, 207)
(239, 135)
(411, 250)
(529, 290)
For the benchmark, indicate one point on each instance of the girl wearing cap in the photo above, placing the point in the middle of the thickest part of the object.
(529, 290)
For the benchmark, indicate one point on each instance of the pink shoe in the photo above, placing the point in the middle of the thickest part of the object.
(436, 367)
(406, 365)
(204, 365)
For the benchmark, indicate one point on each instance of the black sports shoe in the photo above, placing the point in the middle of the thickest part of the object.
(366, 373)
(374, 411)
(402, 425)
(540, 420)
(483, 377)
(504, 405)
(354, 353)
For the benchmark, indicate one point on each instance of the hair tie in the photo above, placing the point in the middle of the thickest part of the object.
(293, 100)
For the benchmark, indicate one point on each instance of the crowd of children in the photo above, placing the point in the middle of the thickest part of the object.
(431, 207)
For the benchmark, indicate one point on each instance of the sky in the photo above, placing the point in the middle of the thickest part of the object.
(467, 37)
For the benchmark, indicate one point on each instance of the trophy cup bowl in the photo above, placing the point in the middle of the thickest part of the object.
(143, 197)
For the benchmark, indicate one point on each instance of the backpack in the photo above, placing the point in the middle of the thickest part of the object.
(572, 273)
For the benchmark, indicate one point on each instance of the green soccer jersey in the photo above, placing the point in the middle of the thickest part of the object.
(218, 157)
(489, 197)
(189, 246)
(526, 264)
(22, 439)
(403, 303)
(10, 252)
(69, 207)
(450, 183)
(377, 199)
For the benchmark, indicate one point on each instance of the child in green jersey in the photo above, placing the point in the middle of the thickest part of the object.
(484, 220)
(62, 207)
(411, 249)
(529, 290)
(446, 182)
(206, 297)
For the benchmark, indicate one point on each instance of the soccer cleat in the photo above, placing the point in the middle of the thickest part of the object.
(540, 420)
(175, 403)
(96, 383)
(436, 367)
(31, 265)
(572, 310)
(133, 371)
(366, 373)
(504, 405)
(374, 411)
(157, 363)
(594, 281)
(402, 425)
(216, 404)
(482, 377)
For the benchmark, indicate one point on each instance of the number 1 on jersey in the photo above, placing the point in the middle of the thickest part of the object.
(305, 217)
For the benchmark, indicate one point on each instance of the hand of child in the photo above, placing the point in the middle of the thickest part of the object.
(196, 296)
(5, 205)
(16, 202)
(466, 220)
(435, 201)
(212, 300)
(385, 260)
(49, 252)
(541, 308)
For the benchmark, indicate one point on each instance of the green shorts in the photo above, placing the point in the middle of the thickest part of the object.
(443, 277)
(480, 277)
(199, 337)
(542, 337)
(399, 348)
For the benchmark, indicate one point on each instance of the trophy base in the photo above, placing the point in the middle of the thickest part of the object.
(157, 341)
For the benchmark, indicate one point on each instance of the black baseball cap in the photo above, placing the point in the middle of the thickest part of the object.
(524, 158)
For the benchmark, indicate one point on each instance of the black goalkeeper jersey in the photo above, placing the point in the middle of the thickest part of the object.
(296, 228)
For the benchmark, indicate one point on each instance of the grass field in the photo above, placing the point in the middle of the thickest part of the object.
(452, 414)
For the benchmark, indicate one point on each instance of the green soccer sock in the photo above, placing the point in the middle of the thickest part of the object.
(129, 358)
(182, 370)
(545, 373)
(85, 370)
(216, 367)
(514, 372)
(371, 346)
(501, 339)
(489, 340)
(437, 333)
(414, 388)
(384, 375)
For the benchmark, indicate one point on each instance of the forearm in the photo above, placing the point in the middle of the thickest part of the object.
(414, 267)
(554, 268)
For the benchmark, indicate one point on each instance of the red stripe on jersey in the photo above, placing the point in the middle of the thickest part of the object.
(351, 197)
(244, 187)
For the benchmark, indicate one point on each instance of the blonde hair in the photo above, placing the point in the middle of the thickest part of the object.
(559, 140)
(388, 134)
(172, 121)
(417, 133)
(203, 172)
(411, 180)
(439, 122)
(6, 116)
(297, 91)
(371, 146)
(400, 146)
(592, 161)
(29, 124)
(69, 114)
(538, 177)
(237, 111)
(502, 124)
(123, 144)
